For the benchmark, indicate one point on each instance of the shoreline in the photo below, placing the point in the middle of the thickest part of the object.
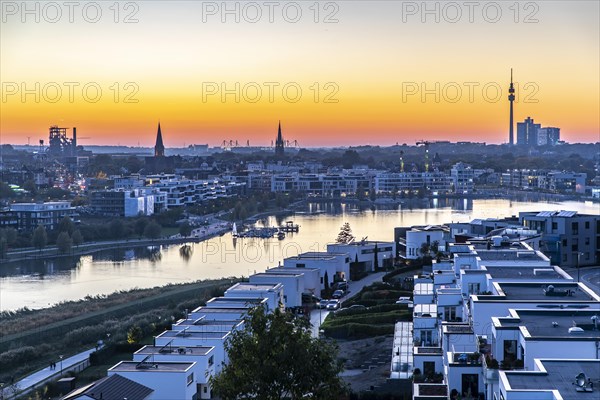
(225, 226)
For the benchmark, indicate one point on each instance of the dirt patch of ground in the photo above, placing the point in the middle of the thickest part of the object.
(366, 361)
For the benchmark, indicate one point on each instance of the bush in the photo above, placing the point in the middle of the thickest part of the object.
(357, 331)
(369, 318)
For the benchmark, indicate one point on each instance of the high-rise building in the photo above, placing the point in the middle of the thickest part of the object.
(279, 144)
(527, 132)
(511, 99)
(548, 136)
(159, 147)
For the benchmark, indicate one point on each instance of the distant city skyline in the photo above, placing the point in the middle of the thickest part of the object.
(378, 75)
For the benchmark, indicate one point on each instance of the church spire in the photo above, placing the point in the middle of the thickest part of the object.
(159, 147)
(279, 143)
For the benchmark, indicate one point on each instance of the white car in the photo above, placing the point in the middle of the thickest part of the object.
(333, 305)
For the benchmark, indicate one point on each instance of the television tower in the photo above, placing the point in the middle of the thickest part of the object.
(511, 98)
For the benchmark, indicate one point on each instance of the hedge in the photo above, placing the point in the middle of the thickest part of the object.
(357, 331)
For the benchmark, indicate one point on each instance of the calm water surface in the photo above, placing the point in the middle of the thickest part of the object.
(42, 283)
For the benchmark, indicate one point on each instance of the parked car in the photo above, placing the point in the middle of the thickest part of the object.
(333, 305)
(405, 300)
(322, 303)
(337, 294)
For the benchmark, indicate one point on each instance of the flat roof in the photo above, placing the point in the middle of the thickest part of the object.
(202, 321)
(263, 287)
(175, 350)
(562, 292)
(290, 270)
(510, 255)
(525, 272)
(557, 375)
(236, 300)
(232, 310)
(552, 323)
(153, 366)
(267, 274)
(194, 334)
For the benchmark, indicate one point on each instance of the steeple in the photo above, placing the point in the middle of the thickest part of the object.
(511, 99)
(279, 144)
(159, 147)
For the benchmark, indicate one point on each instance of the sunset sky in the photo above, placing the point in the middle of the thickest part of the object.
(361, 74)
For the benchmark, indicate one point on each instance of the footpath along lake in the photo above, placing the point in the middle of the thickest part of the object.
(41, 283)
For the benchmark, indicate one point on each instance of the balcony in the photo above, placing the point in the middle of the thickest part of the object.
(470, 359)
(490, 369)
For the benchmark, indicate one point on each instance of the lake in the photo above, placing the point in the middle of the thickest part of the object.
(42, 283)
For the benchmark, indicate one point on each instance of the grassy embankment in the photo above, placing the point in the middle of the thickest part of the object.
(31, 339)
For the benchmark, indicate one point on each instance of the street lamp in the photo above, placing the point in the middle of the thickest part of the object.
(61, 358)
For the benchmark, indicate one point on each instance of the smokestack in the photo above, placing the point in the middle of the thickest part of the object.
(74, 143)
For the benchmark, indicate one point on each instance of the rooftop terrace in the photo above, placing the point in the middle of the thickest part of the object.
(557, 375)
(510, 255)
(556, 292)
(526, 272)
(175, 350)
(553, 323)
(153, 366)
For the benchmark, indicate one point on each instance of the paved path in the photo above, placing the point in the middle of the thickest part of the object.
(30, 381)
(317, 316)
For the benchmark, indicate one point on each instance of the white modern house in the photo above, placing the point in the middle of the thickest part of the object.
(293, 286)
(332, 266)
(273, 292)
(202, 358)
(168, 379)
(311, 277)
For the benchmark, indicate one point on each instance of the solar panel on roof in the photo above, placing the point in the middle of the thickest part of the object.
(567, 214)
(546, 214)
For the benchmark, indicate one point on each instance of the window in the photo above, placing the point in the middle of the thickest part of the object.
(575, 227)
(211, 360)
(300, 265)
(426, 338)
(554, 226)
(473, 288)
(190, 379)
(449, 313)
(564, 242)
(587, 224)
(587, 241)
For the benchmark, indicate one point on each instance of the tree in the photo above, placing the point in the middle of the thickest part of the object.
(64, 242)
(185, 229)
(3, 246)
(66, 225)
(39, 238)
(134, 334)
(77, 238)
(117, 229)
(6, 191)
(345, 235)
(152, 230)
(425, 249)
(140, 226)
(275, 357)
